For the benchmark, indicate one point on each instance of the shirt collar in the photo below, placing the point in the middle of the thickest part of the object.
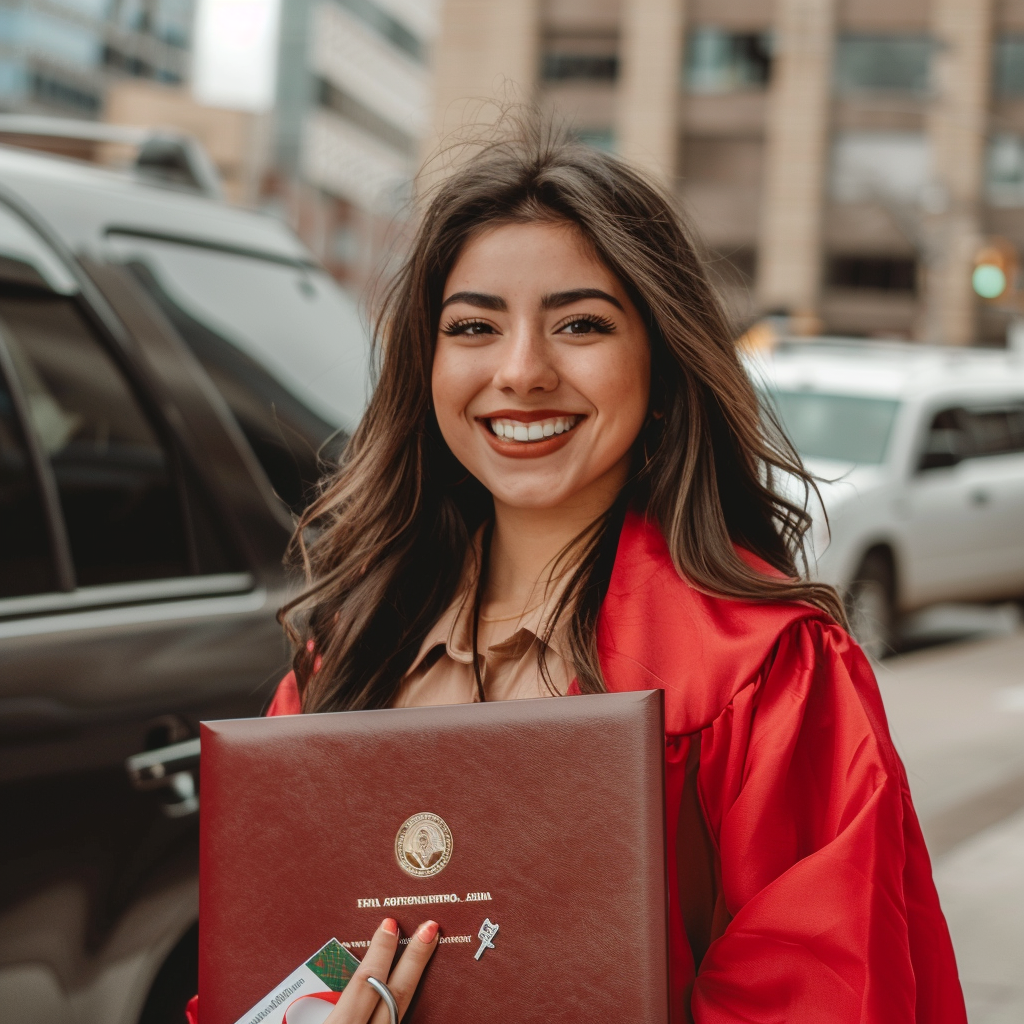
(454, 629)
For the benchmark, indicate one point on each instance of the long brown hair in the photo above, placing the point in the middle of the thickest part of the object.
(383, 546)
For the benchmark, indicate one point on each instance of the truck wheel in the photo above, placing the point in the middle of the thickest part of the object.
(870, 606)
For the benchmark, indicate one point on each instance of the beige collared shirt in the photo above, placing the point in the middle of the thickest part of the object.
(443, 670)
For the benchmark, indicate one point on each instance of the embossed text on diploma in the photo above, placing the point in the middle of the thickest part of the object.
(412, 901)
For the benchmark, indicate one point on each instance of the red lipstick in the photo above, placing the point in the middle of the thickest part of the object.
(528, 449)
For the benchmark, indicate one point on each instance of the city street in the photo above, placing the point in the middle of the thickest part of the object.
(956, 711)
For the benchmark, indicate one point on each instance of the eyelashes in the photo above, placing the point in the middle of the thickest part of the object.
(600, 324)
(594, 323)
(466, 326)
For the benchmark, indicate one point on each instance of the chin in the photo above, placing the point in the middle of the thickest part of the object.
(534, 498)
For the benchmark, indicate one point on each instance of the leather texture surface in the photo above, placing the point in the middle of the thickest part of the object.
(556, 810)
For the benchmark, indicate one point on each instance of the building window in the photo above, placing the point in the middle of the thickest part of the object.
(118, 60)
(62, 40)
(890, 63)
(880, 166)
(587, 67)
(172, 22)
(385, 25)
(13, 78)
(1005, 171)
(340, 102)
(50, 90)
(1008, 66)
(873, 273)
(718, 61)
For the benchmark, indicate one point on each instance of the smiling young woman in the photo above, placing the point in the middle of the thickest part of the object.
(565, 483)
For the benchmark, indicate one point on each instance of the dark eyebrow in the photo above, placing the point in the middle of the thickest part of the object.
(481, 299)
(558, 299)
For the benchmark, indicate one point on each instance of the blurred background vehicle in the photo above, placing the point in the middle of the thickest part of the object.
(173, 371)
(919, 452)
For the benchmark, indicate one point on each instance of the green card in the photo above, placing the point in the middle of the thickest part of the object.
(333, 965)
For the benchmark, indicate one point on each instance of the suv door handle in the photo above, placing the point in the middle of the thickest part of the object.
(169, 770)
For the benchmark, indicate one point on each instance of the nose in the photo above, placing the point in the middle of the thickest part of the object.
(525, 362)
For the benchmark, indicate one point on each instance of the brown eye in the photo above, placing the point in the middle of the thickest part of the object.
(580, 327)
(587, 325)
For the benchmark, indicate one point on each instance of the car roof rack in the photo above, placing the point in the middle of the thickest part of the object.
(164, 156)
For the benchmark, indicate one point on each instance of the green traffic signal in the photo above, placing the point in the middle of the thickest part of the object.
(988, 280)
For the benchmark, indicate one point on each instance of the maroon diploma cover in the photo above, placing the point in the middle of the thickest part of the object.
(531, 830)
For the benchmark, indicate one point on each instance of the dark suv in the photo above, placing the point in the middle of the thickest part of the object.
(172, 373)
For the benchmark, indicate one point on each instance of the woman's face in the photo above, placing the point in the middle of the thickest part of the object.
(541, 375)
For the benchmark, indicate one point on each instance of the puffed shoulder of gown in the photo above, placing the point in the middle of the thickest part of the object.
(814, 901)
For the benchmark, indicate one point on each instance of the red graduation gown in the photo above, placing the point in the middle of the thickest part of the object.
(803, 890)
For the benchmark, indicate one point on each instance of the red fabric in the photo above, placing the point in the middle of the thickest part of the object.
(827, 909)
(286, 698)
(826, 883)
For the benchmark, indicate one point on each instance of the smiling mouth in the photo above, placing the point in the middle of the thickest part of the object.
(530, 433)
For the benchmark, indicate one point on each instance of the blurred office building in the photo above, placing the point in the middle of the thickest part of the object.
(353, 106)
(59, 56)
(845, 160)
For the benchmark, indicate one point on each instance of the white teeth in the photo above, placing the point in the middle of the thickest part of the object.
(514, 430)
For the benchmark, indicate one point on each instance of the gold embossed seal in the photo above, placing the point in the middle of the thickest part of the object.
(423, 845)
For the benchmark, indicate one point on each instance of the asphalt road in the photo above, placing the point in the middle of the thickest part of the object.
(956, 711)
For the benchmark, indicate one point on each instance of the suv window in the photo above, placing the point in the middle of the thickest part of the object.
(946, 442)
(957, 433)
(996, 431)
(282, 343)
(26, 559)
(122, 509)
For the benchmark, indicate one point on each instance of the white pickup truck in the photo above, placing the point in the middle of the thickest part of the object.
(920, 455)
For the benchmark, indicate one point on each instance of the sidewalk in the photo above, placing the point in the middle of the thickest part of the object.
(957, 716)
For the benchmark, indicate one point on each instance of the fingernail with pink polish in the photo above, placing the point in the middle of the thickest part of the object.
(390, 925)
(427, 932)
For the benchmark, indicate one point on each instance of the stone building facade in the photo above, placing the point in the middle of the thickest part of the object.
(843, 160)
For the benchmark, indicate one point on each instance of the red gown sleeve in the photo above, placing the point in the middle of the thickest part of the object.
(825, 880)
(286, 699)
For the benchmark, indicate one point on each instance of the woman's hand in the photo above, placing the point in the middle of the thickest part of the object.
(359, 1003)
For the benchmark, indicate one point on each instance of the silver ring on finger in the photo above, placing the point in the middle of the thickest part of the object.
(385, 993)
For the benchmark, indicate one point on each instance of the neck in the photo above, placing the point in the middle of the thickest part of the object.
(525, 546)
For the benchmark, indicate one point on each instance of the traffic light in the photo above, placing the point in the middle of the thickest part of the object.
(995, 269)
